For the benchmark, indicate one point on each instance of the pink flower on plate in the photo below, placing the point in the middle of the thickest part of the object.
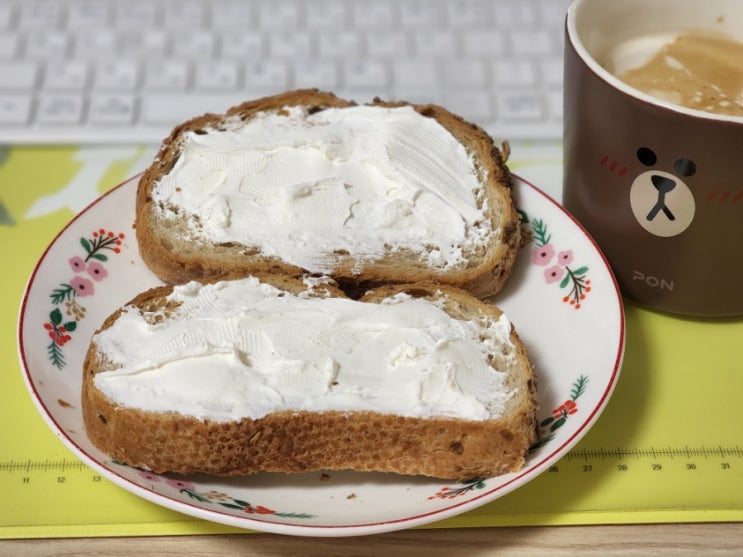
(565, 257)
(181, 484)
(96, 270)
(82, 286)
(77, 264)
(543, 254)
(554, 273)
(149, 476)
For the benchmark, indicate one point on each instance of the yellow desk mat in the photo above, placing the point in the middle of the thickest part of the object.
(668, 447)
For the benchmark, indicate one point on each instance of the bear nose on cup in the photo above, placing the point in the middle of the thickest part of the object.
(663, 185)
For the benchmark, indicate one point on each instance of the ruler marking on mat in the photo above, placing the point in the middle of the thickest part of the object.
(28, 466)
(655, 453)
(63, 465)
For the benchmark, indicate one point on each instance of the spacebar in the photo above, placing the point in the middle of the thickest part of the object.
(167, 109)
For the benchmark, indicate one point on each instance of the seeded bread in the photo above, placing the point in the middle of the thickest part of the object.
(176, 258)
(298, 441)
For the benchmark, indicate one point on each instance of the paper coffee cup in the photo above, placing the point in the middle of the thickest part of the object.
(658, 185)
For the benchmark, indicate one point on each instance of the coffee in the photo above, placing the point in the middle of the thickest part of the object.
(695, 70)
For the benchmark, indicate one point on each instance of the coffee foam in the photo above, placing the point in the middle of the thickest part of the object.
(695, 70)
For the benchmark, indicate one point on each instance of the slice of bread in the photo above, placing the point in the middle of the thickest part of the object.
(454, 163)
(495, 395)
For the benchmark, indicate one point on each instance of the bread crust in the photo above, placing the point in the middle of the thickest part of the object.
(287, 441)
(484, 274)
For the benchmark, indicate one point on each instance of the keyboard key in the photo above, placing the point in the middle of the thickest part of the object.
(415, 75)
(279, 14)
(514, 14)
(116, 75)
(464, 73)
(551, 11)
(420, 14)
(62, 76)
(316, 73)
(469, 13)
(94, 45)
(84, 14)
(14, 109)
(365, 74)
(8, 46)
(235, 14)
(374, 15)
(111, 109)
(387, 44)
(435, 43)
(6, 15)
(147, 44)
(17, 75)
(326, 15)
(273, 76)
(135, 14)
(471, 105)
(160, 108)
(184, 15)
(241, 45)
(519, 105)
(344, 44)
(288, 45)
(554, 104)
(59, 109)
(219, 75)
(166, 75)
(516, 73)
(45, 45)
(197, 45)
(39, 14)
(487, 42)
(551, 71)
(529, 42)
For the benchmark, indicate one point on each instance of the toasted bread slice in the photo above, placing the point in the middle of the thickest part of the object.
(305, 182)
(417, 379)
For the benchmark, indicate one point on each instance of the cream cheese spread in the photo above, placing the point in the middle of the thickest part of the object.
(244, 349)
(309, 188)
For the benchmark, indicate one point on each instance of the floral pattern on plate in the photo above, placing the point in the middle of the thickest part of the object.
(89, 269)
(557, 263)
(343, 503)
(215, 497)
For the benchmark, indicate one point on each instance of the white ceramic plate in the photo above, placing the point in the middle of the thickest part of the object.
(561, 297)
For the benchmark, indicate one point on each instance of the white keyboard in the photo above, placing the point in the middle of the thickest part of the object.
(105, 71)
